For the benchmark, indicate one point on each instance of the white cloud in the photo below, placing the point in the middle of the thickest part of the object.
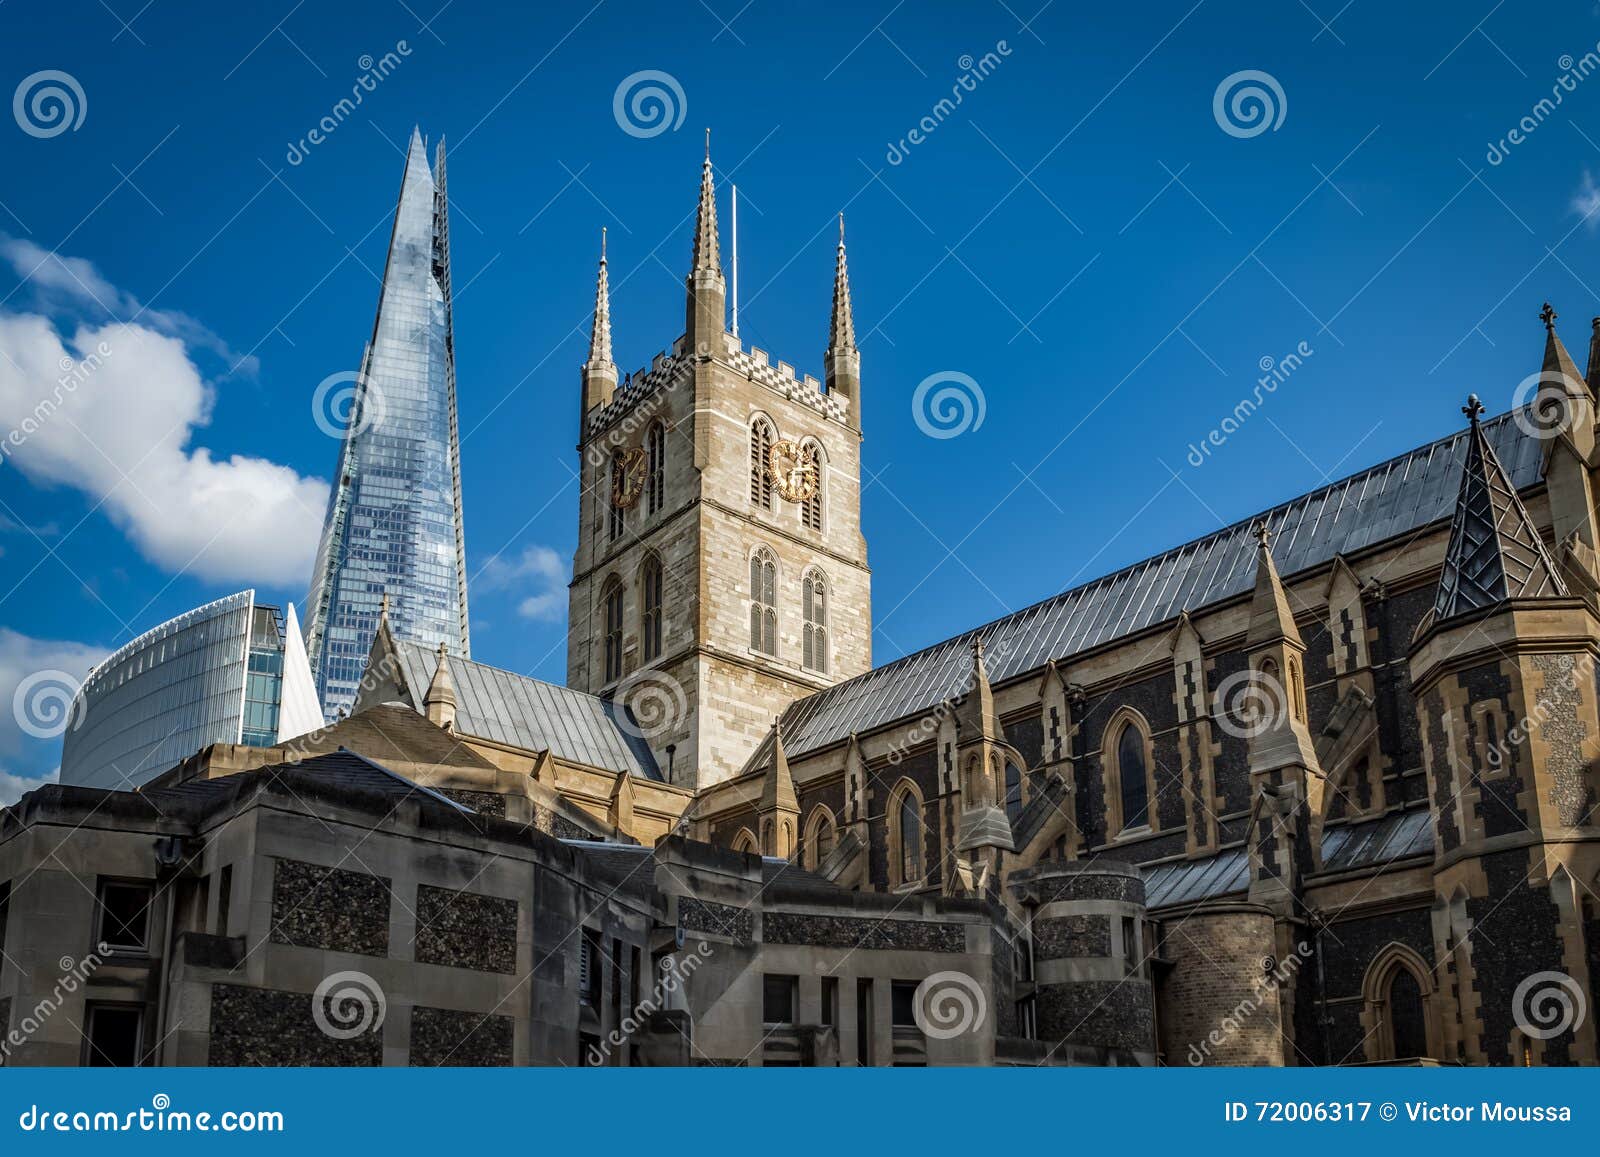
(111, 411)
(1586, 201)
(14, 787)
(23, 658)
(72, 282)
(537, 567)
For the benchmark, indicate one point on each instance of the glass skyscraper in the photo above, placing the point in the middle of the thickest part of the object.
(394, 519)
(232, 671)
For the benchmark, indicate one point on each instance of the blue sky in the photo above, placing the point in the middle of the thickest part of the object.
(1080, 236)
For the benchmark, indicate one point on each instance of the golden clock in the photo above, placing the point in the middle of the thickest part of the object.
(794, 470)
(627, 478)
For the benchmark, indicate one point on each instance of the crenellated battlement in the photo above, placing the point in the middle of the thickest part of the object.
(805, 389)
(667, 370)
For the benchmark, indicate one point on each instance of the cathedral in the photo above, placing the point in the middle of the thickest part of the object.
(1317, 788)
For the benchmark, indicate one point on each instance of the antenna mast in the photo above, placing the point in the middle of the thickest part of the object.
(735, 189)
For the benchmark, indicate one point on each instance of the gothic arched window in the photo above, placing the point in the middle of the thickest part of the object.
(764, 602)
(761, 439)
(616, 516)
(1396, 1014)
(655, 447)
(650, 584)
(1408, 1026)
(613, 606)
(1133, 782)
(814, 602)
(811, 508)
(820, 838)
(907, 835)
(1013, 791)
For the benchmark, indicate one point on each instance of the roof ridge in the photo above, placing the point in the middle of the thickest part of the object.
(1231, 529)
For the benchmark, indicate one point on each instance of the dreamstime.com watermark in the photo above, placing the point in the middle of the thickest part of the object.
(346, 404)
(160, 1117)
(46, 704)
(1573, 73)
(373, 73)
(74, 975)
(1248, 103)
(1274, 974)
(47, 104)
(927, 726)
(948, 404)
(648, 103)
(674, 975)
(1274, 372)
(1575, 670)
(973, 73)
(1547, 1004)
(348, 1004)
(948, 1004)
(74, 372)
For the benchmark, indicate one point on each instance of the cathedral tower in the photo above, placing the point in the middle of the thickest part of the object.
(720, 572)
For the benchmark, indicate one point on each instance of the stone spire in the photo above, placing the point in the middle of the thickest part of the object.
(439, 704)
(1556, 358)
(975, 715)
(842, 361)
(1592, 378)
(981, 756)
(599, 371)
(778, 813)
(1495, 552)
(1271, 619)
(706, 314)
(707, 248)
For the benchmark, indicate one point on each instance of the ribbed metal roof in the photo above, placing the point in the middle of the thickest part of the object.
(514, 709)
(1188, 881)
(1397, 497)
(1360, 845)
(1393, 837)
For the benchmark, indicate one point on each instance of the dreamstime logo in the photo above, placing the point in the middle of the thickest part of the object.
(46, 704)
(49, 103)
(1264, 989)
(948, 404)
(347, 1004)
(1274, 373)
(1249, 702)
(1541, 413)
(1248, 103)
(948, 1004)
(656, 703)
(346, 402)
(649, 103)
(74, 975)
(1548, 1004)
(74, 373)
(373, 73)
(973, 73)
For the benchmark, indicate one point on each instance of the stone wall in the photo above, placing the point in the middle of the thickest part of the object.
(266, 1027)
(330, 908)
(441, 1036)
(466, 930)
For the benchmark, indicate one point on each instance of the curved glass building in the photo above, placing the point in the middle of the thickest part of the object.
(393, 525)
(228, 672)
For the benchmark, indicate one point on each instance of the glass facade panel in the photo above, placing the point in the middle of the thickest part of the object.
(394, 519)
(213, 675)
(161, 698)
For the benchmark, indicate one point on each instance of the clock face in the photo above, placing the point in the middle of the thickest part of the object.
(627, 478)
(794, 470)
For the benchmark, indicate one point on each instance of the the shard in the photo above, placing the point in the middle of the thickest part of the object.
(393, 527)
